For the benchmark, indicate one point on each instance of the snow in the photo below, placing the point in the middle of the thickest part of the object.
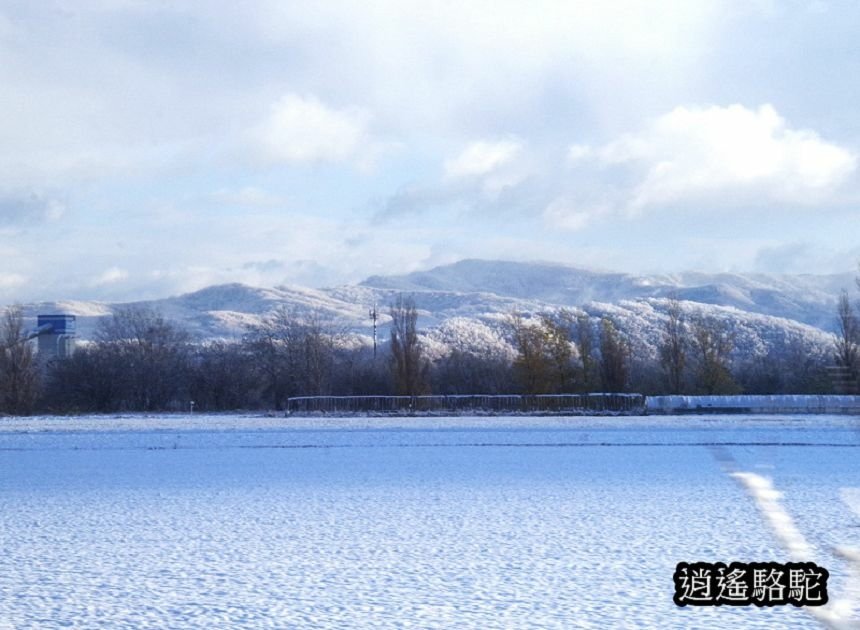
(806, 298)
(468, 303)
(224, 521)
(783, 403)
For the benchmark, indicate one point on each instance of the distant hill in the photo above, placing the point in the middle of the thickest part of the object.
(809, 299)
(469, 301)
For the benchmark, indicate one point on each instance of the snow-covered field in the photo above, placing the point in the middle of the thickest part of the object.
(229, 521)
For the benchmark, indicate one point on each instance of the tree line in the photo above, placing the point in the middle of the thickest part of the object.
(141, 361)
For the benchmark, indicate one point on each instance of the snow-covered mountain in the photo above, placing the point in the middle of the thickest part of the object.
(469, 301)
(809, 299)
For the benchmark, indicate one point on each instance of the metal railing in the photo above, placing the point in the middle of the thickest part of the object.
(471, 404)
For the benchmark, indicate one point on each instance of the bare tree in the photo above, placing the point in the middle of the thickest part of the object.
(319, 340)
(19, 374)
(529, 365)
(473, 366)
(148, 356)
(559, 349)
(410, 370)
(357, 372)
(278, 345)
(673, 349)
(86, 381)
(464, 372)
(543, 363)
(847, 337)
(222, 377)
(585, 346)
(614, 357)
(790, 364)
(713, 342)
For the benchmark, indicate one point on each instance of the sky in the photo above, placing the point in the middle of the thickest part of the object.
(151, 148)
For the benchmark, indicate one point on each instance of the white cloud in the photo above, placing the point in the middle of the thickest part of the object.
(303, 129)
(12, 280)
(566, 216)
(693, 152)
(702, 157)
(150, 107)
(414, 59)
(110, 276)
(487, 167)
(250, 196)
(578, 152)
(482, 158)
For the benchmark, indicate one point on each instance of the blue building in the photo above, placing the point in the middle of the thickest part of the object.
(56, 335)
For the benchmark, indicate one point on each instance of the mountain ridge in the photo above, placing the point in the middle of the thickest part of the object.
(474, 298)
(807, 298)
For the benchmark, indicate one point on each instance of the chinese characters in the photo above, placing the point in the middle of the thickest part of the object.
(743, 584)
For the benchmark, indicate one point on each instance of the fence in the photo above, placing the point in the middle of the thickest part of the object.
(572, 404)
(777, 404)
(561, 404)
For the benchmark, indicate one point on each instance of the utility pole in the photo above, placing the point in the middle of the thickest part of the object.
(374, 315)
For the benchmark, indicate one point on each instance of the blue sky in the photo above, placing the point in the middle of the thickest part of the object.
(152, 148)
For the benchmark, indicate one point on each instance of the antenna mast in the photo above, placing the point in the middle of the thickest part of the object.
(374, 315)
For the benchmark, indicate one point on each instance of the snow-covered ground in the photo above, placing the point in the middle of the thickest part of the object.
(230, 521)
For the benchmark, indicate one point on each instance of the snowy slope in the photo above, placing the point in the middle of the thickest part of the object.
(221, 311)
(805, 298)
(167, 522)
(468, 303)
